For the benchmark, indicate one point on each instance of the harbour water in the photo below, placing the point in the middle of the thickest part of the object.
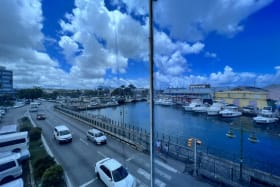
(176, 123)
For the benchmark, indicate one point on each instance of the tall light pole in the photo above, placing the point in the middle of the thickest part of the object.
(241, 153)
(151, 60)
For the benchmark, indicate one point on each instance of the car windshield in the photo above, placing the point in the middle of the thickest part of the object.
(64, 132)
(119, 174)
(99, 134)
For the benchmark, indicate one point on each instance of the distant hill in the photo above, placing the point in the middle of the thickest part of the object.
(273, 91)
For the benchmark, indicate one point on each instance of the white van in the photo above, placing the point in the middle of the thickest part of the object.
(15, 142)
(96, 136)
(62, 134)
(10, 168)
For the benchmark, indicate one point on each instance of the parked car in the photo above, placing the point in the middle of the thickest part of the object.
(113, 174)
(10, 167)
(14, 183)
(40, 116)
(62, 134)
(96, 136)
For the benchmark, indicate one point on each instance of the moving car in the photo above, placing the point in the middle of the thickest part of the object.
(40, 117)
(113, 174)
(96, 136)
(62, 134)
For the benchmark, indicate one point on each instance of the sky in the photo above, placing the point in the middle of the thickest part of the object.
(84, 44)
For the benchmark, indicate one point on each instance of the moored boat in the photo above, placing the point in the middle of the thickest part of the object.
(230, 111)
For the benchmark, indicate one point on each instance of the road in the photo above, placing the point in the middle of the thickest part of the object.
(79, 157)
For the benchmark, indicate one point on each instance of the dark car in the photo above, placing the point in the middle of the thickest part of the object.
(40, 117)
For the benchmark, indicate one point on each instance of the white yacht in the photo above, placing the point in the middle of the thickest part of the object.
(266, 116)
(264, 119)
(230, 111)
(215, 108)
(201, 108)
(164, 101)
(192, 104)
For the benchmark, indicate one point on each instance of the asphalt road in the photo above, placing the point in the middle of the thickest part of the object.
(79, 157)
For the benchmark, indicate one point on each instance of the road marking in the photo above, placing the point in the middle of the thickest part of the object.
(140, 183)
(82, 140)
(89, 182)
(101, 154)
(147, 176)
(129, 159)
(169, 168)
(159, 183)
(162, 174)
(144, 173)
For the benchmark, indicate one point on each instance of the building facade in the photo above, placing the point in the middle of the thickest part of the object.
(6, 81)
(244, 96)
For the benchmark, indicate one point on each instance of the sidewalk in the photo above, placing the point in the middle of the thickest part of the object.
(184, 168)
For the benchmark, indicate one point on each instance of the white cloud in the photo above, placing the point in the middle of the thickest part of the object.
(227, 78)
(21, 44)
(107, 38)
(192, 20)
(97, 41)
(210, 55)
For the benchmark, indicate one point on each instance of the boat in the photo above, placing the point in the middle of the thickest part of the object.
(164, 102)
(265, 119)
(266, 116)
(230, 111)
(201, 108)
(249, 110)
(215, 108)
(189, 107)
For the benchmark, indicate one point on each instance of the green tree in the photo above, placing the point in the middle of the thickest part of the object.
(53, 177)
(30, 93)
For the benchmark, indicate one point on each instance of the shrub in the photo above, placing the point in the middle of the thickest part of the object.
(53, 177)
(41, 164)
(35, 134)
(25, 124)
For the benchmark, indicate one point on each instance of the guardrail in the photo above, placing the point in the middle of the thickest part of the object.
(215, 168)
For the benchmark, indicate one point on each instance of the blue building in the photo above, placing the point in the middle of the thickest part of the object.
(6, 81)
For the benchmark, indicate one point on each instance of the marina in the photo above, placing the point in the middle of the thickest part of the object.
(260, 143)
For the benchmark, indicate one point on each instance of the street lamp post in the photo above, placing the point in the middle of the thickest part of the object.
(241, 153)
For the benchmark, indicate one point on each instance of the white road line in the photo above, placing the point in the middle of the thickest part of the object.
(169, 168)
(139, 183)
(159, 183)
(101, 154)
(82, 140)
(129, 159)
(147, 176)
(162, 174)
(89, 182)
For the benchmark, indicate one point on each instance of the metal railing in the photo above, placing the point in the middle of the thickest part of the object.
(216, 168)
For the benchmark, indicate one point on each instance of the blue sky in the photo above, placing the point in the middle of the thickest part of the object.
(86, 44)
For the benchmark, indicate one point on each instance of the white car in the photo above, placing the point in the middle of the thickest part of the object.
(62, 134)
(96, 136)
(10, 168)
(113, 174)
